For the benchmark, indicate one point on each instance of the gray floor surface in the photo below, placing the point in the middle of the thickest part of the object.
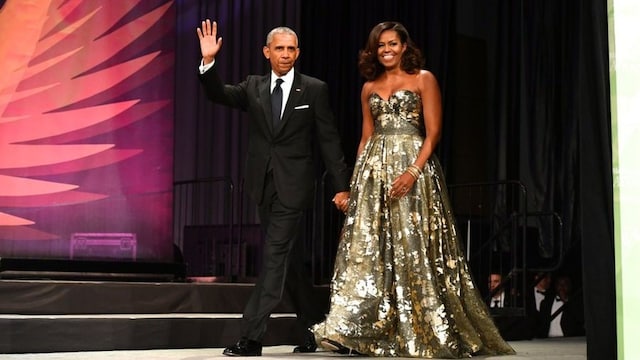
(539, 349)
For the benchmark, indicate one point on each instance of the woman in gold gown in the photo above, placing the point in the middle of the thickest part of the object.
(401, 286)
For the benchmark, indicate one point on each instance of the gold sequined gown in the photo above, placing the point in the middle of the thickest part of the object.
(401, 286)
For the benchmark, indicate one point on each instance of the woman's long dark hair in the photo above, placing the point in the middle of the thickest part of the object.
(368, 64)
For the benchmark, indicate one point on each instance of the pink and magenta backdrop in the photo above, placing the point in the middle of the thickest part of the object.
(86, 124)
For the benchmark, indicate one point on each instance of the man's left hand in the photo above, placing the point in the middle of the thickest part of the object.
(341, 200)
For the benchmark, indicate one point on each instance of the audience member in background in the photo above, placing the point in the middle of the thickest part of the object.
(497, 297)
(541, 288)
(565, 315)
(536, 306)
(511, 324)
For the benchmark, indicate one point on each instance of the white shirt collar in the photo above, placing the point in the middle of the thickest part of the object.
(287, 78)
(499, 298)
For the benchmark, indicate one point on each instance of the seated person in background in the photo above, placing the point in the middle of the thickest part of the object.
(497, 298)
(540, 291)
(511, 327)
(564, 316)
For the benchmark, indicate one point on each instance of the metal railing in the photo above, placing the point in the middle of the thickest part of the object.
(498, 233)
(203, 227)
(503, 236)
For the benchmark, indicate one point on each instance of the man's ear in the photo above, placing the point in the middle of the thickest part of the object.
(265, 51)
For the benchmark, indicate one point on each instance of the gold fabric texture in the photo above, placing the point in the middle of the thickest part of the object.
(401, 286)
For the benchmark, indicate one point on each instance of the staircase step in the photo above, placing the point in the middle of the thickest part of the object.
(34, 297)
(60, 316)
(65, 333)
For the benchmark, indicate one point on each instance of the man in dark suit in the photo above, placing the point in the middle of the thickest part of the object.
(563, 314)
(537, 303)
(289, 114)
(497, 297)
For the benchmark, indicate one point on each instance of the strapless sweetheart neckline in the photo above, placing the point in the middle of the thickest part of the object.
(392, 94)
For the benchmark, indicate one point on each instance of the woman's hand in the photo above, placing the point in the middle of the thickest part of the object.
(402, 185)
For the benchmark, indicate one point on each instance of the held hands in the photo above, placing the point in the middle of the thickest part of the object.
(209, 44)
(341, 200)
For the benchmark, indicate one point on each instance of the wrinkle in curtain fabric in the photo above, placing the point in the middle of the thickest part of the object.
(551, 111)
(535, 138)
(548, 132)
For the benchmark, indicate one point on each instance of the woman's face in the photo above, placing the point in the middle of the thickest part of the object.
(390, 49)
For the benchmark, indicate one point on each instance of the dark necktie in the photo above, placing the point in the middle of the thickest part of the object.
(496, 303)
(276, 102)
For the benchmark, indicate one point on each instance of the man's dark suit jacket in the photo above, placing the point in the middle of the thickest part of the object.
(288, 150)
(540, 317)
(572, 321)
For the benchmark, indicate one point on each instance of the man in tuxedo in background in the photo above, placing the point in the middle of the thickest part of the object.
(500, 303)
(541, 289)
(289, 115)
(563, 314)
(497, 298)
(537, 302)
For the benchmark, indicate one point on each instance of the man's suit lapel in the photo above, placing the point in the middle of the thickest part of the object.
(264, 94)
(294, 95)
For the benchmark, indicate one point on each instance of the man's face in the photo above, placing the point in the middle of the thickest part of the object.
(544, 282)
(494, 281)
(282, 53)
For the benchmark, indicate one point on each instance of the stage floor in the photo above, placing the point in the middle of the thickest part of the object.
(539, 349)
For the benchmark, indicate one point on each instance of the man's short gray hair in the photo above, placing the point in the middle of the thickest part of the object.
(280, 30)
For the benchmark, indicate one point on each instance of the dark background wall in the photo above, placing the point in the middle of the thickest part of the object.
(526, 99)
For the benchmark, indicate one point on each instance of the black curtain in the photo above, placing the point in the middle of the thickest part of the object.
(526, 97)
(595, 190)
(548, 126)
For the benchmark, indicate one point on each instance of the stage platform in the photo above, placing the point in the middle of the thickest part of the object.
(100, 320)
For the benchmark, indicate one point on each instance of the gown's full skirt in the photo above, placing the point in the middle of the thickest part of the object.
(401, 285)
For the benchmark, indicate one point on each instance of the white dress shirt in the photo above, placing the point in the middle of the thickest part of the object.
(539, 296)
(203, 68)
(286, 87)
(555, 330)
(497, 301)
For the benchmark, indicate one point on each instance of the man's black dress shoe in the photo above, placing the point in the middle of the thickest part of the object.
(308, 344)
(244, 347)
